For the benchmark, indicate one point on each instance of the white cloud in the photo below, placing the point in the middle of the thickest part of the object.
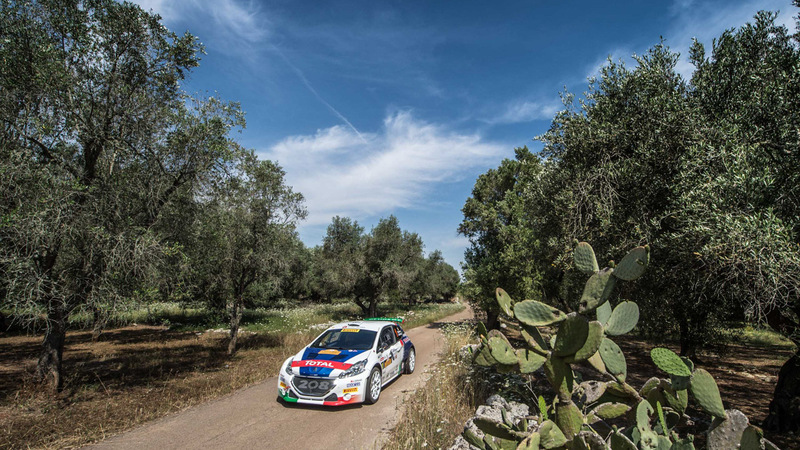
(341, 174)
(526, 111)
(236, 26)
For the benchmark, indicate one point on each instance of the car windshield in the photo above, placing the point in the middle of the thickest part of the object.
(346, 339)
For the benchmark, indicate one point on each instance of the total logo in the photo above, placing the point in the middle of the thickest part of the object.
(327, 364)
(321, 364)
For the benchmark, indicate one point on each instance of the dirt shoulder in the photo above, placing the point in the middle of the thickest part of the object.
(255, 418)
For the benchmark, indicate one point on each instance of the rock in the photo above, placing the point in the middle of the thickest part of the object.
(726, 434)
(491, 411)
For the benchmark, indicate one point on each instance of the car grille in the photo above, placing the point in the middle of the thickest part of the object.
(314, 387)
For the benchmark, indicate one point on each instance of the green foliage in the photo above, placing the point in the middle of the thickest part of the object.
(385, 265)
(650, 417)
(704, 169)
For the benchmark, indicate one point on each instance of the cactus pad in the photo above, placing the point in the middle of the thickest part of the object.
(529, 361)
(568, 418)
(530, 443)
(473, 438)
(502, 351)
(643, 412)
(571, 336)
(620, 442)
(559, 374)
(669, 362)
(481, 329)
(604, 313)
(623, 319)
(608, 411)
(592, 343)
(533, 337)
(751, 439)
(597, 290)
(484, 358)
(550, 436)
(537, 314)
(505, 302)
(613, 358)
(585, 261)
(493, 428)
(596, 361)
(705, 391)
(633, 264)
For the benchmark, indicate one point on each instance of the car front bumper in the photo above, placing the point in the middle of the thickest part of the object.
(345, 391)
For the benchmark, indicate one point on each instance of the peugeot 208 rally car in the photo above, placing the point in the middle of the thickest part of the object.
(349, 363)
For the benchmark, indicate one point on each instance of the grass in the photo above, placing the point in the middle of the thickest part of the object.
(135, 374)
(436, 414)
(759, 337)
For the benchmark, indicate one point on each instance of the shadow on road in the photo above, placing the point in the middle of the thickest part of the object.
(288, 405)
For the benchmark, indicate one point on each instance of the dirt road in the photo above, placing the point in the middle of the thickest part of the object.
(255, 418)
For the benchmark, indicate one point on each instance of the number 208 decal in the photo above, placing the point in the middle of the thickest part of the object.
(313, 384)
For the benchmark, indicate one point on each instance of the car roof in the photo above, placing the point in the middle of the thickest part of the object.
(372, 325)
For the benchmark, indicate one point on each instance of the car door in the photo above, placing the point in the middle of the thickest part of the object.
(390, 354)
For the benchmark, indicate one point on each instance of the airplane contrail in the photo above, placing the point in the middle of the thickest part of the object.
(316, 94)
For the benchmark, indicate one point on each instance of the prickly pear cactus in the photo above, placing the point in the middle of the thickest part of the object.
(608, 414)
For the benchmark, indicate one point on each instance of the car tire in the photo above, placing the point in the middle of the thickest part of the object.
(373, 386)
(411, 362)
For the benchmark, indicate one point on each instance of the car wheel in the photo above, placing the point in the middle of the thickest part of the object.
(374, 386)
(411, 362)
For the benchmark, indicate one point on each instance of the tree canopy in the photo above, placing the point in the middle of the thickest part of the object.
(704, 170)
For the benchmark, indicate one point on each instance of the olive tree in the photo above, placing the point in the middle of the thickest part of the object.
(97, 139)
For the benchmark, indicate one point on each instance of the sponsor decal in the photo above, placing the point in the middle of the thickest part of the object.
(321, 364)
(350, 391)
(283, 386)
(354, 384)
(330, 352)
(350, 330)
(386, 363)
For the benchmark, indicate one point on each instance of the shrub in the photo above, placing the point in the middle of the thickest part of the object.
(598, 414)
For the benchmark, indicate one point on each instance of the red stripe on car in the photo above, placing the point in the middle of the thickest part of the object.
(320, 363)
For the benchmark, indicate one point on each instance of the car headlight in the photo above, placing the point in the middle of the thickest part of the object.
(288, 368)
(354, 370)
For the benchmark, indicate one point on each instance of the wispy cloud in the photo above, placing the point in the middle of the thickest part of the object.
(617, 54)
(235, 26)
(521, 111)
(705, 22)
(341, 173)
(313, 91)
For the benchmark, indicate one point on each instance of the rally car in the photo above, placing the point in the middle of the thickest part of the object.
(349, 363)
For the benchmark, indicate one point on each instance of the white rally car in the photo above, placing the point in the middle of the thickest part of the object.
(349, 363)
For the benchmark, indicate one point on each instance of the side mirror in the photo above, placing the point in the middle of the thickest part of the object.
(382, 348)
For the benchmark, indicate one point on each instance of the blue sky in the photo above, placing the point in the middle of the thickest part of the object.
(395, 107)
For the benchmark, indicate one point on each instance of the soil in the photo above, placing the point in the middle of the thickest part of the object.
(746, 376)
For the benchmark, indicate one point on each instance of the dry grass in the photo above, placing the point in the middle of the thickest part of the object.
(436, 414)
(135, 375)
(139, 373)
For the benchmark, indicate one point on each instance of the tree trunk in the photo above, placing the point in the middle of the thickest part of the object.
(236, 317)
(491, 320)
(373, 307)
(784, 410)
(360, 303)
(99, 323)
(49, 368)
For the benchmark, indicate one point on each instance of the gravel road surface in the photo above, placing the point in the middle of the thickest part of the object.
(254, 417)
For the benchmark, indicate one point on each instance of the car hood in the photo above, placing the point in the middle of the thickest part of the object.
(318, 362)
